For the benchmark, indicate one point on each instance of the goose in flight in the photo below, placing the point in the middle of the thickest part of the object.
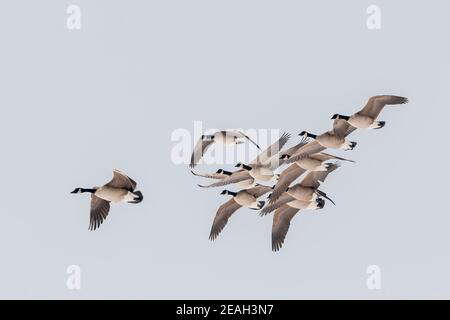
(283, 216)
(366, 118)
(334, 139)
(307, 190)
(225, 137)
(120, 189)
(244, 198)
(314, 162)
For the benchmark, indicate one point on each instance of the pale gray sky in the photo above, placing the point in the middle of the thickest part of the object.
(76, 104)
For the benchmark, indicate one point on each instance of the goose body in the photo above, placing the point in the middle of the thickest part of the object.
(244, 198)
(120, 189)
(226, 137)
(306, 191)
(366, 118)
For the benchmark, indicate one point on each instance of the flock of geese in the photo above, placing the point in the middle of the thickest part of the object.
(307, 157)
(286, 198)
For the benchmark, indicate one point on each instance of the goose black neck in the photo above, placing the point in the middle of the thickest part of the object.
(231, 193)
(344, 117)
(310, 135)
(246, 167)
(228, 173)
(82, 190)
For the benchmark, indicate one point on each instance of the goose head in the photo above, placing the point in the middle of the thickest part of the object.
(77, 190)
(339, 116)
(240, 165)
(225, 192)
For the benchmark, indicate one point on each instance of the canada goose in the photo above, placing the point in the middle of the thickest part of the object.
(307, 190)
(224, 137)
(120, 189)
(314, 162)
(260, 168)
(283, 216)
(334, 138)
(223, 175)
(367, 116)
(244, 198)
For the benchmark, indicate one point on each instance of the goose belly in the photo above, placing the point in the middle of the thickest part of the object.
(245, 199)
(360, 121)
(330, 141)
(264, 174)
(246, 184)
(302, 193)
(309, 163)
(114, 194)
(301, 204)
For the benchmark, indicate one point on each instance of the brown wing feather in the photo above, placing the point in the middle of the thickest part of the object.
(122, 181)
(280, 225)
(236, 177)
(285, 198)
(376, 104)
(305, 151)
(224, 212)
(286, 178)
(258, 191)
(99, 211)
(199, 151)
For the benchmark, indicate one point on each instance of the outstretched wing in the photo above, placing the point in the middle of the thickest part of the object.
(258, 191)
(236, 177)
(216, 176)
(99, 212)
(322, 156)
(285, 198)
(305, 151)
(240, 134)
(224, 212)
(274, 149)
(342, 128)
(121, 181)
(286, 178)
(314, 178)
(199, 150)
(280, 225)
(376, 104)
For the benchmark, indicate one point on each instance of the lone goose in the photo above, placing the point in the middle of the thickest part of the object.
(224, 137)
(260, 168)
(244, 198)
(283, 216)
(367, 116)
(314, 162)
(334, 138)
(223, 175)
(307, 190)
(120, 189)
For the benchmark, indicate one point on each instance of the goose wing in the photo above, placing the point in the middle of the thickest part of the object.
(224, 212)
(376, 104)
(280, 225)
(285, 198)
(274, 149)
(236, 177)
(199, 150)
(217, 176)
(286, 178)
(121, 181)
(240, 134)
(322, 156)
(314, 178)
(342, 128)
(258, 191)
(99, 211)
(294, 149)
(305, 151)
